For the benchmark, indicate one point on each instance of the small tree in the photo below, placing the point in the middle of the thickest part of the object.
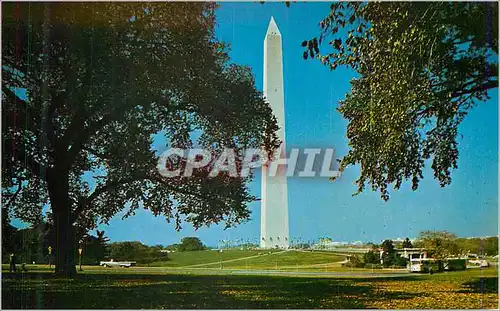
(191, 244)
(407, 243)
(490, 246)
(353, 262)
(388, 246)
(371, 257)
(95, 248)
(399, 261)
(389, 255)
(440, 244)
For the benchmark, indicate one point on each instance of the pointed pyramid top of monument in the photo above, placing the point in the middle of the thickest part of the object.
(273, 28)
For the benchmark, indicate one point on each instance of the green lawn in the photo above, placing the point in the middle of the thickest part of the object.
(286, 260)
(125, 288)
(183, 259)
(180, 259)
(250, 259)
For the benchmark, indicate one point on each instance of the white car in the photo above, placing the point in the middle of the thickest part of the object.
(112, 263)
(479, 262)
(484, 264)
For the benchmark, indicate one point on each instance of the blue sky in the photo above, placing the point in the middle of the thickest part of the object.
(318, 207)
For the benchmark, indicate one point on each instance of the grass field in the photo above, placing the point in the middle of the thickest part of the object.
(181, 259)
(155, 288)
(243, 259)
(277, 260)
(250, 259)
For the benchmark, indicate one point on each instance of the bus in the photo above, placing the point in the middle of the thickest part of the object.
(430, 265)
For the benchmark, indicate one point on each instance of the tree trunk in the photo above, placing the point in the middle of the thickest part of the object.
(65, 236)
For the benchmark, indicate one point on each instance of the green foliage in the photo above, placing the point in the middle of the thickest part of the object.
(353, 261)
(456, 264)
(302, 246)
(8, 236)
(389, 257)
(371, 257)
(172, 247)
(489, 246)
(441, 244)
(95, 248)
(136, 251)
(388, 246)
(421, 66)
(407, 243)
(191, 244)
(481, 246)
(399, 261)
(31, 244)
(100, 80)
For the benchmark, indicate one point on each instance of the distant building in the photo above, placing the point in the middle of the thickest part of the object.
(408, 253)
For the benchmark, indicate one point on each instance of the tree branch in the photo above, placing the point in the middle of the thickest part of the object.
(490, 84)
(11, 200)
(81, 139)
(86, 202)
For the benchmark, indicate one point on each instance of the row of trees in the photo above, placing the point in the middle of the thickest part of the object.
(136, 251)
(32, 245)
(389, 256)
(38, 243)
(442, 244)
(438, 244)
(187, 244)
(144, 254)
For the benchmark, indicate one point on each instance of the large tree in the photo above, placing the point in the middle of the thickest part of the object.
(407, 243)
(86, 86)
(191, 244)
(440, 244)
(421, 66)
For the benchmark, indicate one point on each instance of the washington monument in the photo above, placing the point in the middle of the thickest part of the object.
(274, 204)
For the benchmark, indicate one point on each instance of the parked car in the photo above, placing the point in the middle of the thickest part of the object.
(112, 263)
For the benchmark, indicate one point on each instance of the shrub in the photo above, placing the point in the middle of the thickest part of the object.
(371, 257)
(400, 261)
(354, 262)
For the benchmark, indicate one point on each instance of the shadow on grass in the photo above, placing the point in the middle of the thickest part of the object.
(482, 285)
(137, 291)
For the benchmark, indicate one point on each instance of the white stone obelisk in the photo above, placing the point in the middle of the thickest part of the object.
(274, 204)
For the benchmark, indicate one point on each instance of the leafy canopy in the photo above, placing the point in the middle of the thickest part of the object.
(421, 66)
(100, 80)
(191, 244)
(407, 243)
(441, 244)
